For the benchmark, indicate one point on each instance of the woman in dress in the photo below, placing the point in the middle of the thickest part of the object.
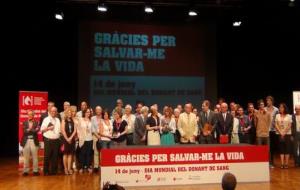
(168, 127)
(235, 130)
(68, 131)
(119, 134)
(153, 126)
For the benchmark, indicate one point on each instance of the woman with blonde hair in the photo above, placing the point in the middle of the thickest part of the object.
(68, 131)
(168, 127)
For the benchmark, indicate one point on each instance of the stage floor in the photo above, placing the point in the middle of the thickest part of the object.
(12, 179)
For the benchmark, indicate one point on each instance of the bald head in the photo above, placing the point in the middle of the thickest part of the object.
(224, 107)
(98, 110)
(53, 111)
(188, 108)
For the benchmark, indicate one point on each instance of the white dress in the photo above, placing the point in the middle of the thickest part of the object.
(235, 132)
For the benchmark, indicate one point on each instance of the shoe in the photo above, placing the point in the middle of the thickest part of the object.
(36, 173)
(46, 173)
(96, 170)
(271, 166)
(281, 167)
(25, 174)
(90, 170)
(70, 172)
(286, 166)
(81, 171)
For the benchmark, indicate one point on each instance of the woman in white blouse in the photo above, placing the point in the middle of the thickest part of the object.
(106, 129)
(283, 122)
(85, 141)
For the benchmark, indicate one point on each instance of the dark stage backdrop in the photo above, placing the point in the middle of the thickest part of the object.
(164, 64)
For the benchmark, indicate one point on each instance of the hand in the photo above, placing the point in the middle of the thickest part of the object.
(143, 138)
(50, 128)
(69, 140)
(205, 133)
(208, 132)
(193, 139)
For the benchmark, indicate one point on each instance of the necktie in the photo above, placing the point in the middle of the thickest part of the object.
(224, 116)
(205, 116)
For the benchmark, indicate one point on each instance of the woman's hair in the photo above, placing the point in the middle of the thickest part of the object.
(170, 110)
(84, 111)
(119, 111)
(285, 108)
(105, 111)
(73, 108)
(66, 113)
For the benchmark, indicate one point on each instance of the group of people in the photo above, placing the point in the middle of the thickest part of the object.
(79, 136)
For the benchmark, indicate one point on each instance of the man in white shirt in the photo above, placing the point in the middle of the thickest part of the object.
(51, 133)
(130, 119)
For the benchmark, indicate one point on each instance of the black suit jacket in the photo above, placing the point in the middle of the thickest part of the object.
(211, 119)
(294, 125)
(33, 132)
(224, 127)
(139, 130)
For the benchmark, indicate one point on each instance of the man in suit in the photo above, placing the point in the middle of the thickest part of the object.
(207, 124)
(139, 133)
(224, 123)
(30, 143)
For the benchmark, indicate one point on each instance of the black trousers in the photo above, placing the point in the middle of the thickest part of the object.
(245, 138)
(51, 148)
(129, 139)
(297, 148)
(273, 145)
(209, 139)
(85, 155)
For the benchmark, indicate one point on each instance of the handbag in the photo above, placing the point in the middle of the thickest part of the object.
(224, 139)
(62, 148)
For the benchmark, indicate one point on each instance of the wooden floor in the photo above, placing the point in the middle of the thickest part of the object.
(12, 179)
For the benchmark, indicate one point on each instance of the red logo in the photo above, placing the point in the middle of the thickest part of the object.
(148, 177)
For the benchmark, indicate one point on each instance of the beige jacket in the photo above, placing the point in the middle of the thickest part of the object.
(187, 127)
